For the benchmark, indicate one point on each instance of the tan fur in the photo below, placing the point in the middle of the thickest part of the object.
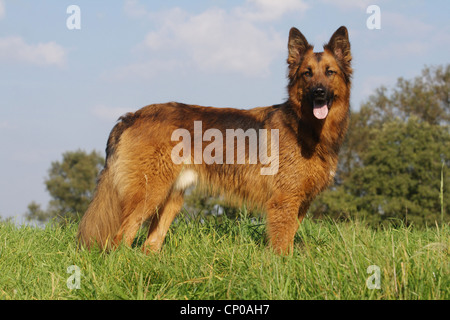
(141, 182)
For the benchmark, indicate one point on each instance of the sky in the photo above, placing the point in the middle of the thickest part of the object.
(66, 76)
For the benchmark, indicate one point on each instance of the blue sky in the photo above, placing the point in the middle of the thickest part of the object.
(62, 90)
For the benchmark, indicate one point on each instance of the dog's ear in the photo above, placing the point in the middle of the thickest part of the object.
(297, 46)
(339, 45)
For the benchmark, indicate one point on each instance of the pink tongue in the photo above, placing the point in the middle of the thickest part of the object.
(320, 110)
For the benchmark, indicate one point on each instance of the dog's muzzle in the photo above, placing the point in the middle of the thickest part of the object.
(321, 102)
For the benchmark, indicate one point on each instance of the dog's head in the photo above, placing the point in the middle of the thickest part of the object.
(318, 79)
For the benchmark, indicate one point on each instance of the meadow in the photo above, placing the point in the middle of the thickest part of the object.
(215, 259)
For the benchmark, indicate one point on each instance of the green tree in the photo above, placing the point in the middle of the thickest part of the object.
(400, 176)
(71, 184)
(395, 150)
(426, 97)
(35, 213)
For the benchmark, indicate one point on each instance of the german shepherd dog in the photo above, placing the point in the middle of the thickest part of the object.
(142, 181)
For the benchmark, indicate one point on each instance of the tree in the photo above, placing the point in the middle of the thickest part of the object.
(396, 149)
(71, 184)
(426, 97)
(35, 213)
(400, 177)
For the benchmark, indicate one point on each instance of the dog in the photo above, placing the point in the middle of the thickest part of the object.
(145, 177)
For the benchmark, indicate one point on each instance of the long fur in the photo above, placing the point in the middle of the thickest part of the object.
(141, 182)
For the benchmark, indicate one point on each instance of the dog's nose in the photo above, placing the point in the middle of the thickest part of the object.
(319, 92)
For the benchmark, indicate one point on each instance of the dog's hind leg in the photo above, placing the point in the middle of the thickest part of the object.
(140, 207)
(162, 221)
(131, 224)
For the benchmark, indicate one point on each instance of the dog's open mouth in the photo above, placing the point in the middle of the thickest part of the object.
(321, 108)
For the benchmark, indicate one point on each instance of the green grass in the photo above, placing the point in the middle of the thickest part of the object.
(229, 259)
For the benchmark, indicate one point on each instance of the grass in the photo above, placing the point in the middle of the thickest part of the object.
(228, 259)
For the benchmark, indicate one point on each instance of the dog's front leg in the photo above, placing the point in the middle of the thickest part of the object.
(283, 218)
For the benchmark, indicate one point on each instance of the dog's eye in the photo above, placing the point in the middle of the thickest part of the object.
(307, 74)
(330, 72)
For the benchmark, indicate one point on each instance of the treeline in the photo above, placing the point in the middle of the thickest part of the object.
(393, 165)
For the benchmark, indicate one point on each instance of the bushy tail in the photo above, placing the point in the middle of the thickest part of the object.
(102, 219)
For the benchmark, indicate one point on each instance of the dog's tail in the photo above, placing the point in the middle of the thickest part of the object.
(102, 219)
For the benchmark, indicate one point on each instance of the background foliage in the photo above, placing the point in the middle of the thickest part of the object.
(71, 184)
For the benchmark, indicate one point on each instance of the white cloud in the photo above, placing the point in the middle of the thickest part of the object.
(2, 9)
(108, 114)
(350, 4)
(5, 125)
(142, 70)
(15, 49)
(405, 26)
(134, 10)
(410, 37)
(269, 10)
(218, 40)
